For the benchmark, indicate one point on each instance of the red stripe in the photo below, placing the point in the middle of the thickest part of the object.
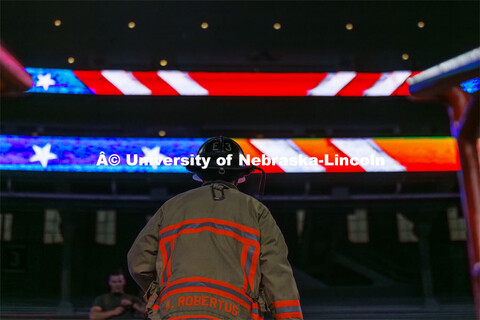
(249, 148)
(163, 253)
(320, 148)
(344, 167)
(214, 230)
(254, 315)
(208, 280)
(253, 266)
(359, 84)
(422, 154)
(286, 303)
(157, 85)
(239, 84)
(403, 90)
(169, 265)
(257, 84)
(242, 263)
(216, 221)
(288, 315)
(97, 83)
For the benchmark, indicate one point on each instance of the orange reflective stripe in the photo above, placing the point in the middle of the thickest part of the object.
(216, 221)
(287, 315)
(286, 303)
(199, 316)
(169, 265)
(243, 259)
(250, 237)
(205, 289)
(214, 230)
(254, 312)
(253, 267)
(291, 309)
(256, 316)
(208, 280)
(163, 253)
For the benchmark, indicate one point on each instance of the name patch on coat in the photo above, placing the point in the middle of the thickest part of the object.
(205, 301)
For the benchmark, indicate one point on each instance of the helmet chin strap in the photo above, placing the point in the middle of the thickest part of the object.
(263, 181)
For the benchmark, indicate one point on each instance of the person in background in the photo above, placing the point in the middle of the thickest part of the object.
(116, 304)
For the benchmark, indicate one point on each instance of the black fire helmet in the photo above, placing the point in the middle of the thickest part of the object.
(221, 147)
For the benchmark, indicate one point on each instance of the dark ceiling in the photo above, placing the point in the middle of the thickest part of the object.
(240, 35)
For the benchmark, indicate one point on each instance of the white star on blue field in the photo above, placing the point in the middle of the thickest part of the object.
(43, 154)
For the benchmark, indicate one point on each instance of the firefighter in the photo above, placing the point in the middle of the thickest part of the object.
(214, 252)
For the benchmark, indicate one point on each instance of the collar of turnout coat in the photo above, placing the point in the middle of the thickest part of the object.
(226, 184)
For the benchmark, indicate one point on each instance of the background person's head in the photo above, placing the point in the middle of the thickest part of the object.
(116, 281)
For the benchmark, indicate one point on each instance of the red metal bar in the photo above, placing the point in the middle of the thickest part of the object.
(13, 76)
(465, 117)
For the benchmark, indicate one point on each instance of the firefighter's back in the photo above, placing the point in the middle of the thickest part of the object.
(210, 243)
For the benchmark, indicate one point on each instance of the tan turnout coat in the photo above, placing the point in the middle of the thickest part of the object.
(214, 253)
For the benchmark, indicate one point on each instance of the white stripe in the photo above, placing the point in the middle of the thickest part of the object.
(277, 149)
(367, 149)
(388, 83)
(182, 83)
(332, 84)
(126, 82)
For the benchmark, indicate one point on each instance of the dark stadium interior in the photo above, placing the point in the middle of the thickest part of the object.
(426, 279)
